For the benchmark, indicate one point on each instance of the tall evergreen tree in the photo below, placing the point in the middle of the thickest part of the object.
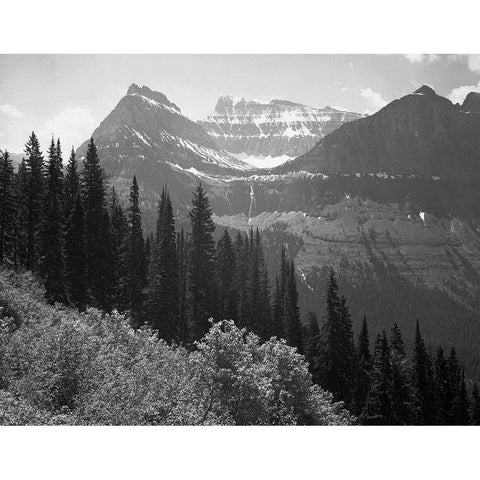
(475, 406)
(72, 183)
(93, 200)
(182, 255)
(52, 228)
(336, 360)
(134, 281)
(443, 390)
(363, 368)
(201, 265)
(422, 382)
(76, 257)
(33, 200)
(461, 407)
(402, 394)
(378, 408)
(293, 327)
(118, 232)
(163, 303)
(226, 270)
(312, 342)
(8, 213)
(22, 189)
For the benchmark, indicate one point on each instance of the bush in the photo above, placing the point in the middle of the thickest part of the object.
(60, 366)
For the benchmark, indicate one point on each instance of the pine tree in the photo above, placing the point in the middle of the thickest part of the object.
(22, 219)
(337, 350)
(134, 282)
(163, 303)
(76, 257)
(312, 341)
(72, 183)
(93, 200)
(182, 255)
(293, 327)
(118, 232)
(443, 390)
(378, 408)
(52, 228)
(226, 270)
(475, 406)
(201, 265)
(402, 395)
(33, 200)
(422, 382)
(363, 369)
(8, 211)
(461, 407)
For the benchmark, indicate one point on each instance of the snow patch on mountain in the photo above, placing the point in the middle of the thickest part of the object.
(261, 161)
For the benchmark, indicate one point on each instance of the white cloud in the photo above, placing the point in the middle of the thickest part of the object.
(422, 57)
(73, 126)
(11, 111)
(374, 100)
(474, 63)
(458, 94)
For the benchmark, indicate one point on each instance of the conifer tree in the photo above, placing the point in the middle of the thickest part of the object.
(475, 406)
(402, 395)
(93, 200)
(422, 382)
(378, 408)
(33, 200)
(182, 255)
(163, 302)
(363, 368)
(226, 270)
(201, 265)
(72, 183)
(107, 294)
(22, 219)
(461, 407)
(336, 359)
(134, 282)
(312, 342)
(118, 232)
(52, 228)
(8, 213)
(76, 257)
(293, 327)
(443, 390)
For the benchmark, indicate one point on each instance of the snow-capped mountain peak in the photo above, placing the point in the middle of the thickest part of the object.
(266, 134)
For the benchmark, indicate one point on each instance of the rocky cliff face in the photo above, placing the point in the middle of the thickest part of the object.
(146, 135)
(419, 134)
(268, 134)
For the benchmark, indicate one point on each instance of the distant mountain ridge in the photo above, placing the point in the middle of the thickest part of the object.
(267, 134)
(419, 134)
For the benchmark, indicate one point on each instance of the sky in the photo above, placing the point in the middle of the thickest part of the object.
(69, 95)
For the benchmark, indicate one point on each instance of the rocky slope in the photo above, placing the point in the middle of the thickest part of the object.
(268, 134)
(419, 134)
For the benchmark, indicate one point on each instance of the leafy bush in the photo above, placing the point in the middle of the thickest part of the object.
(59, 366)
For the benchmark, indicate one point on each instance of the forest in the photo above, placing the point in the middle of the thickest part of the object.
(102, 324)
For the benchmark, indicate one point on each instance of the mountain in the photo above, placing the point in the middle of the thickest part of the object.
(419, 134)
(268, 134)
(147, 135)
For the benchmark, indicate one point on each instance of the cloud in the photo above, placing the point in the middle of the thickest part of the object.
(11, 111)
(458, 94)
(422, 57)
(474, 63)
(374, 100)
(73, 126)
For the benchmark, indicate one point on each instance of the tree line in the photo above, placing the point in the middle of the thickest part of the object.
(90, 251)
(388, 387)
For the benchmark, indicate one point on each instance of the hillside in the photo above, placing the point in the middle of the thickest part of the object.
(62, 367)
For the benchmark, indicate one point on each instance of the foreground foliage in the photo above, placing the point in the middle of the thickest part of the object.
(60, 366)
